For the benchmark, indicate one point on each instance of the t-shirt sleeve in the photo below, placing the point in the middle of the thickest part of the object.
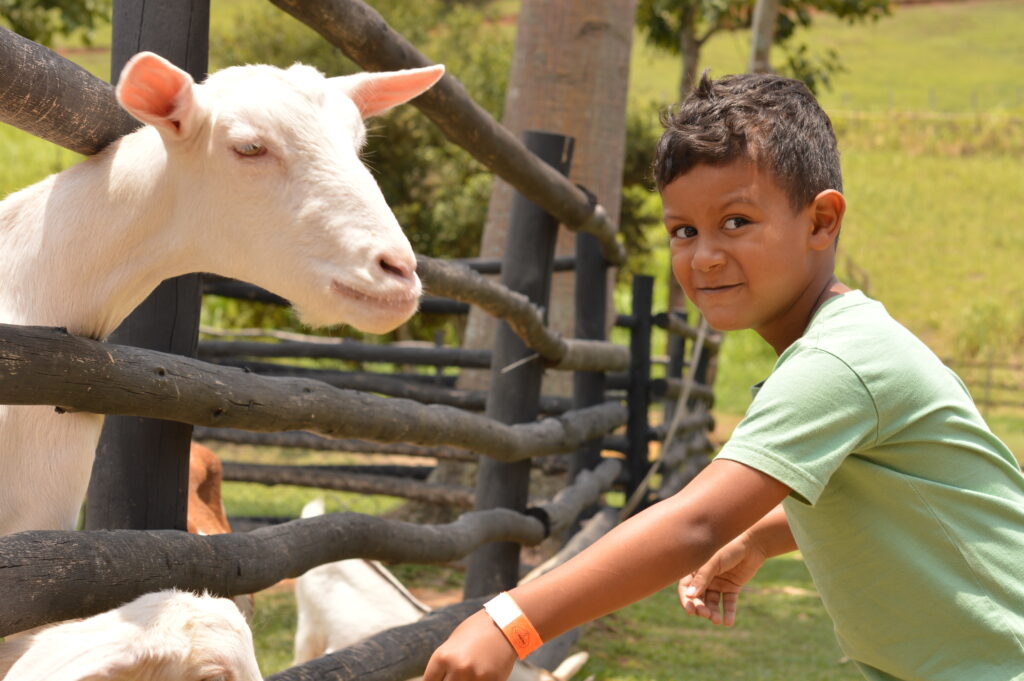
(808, 416)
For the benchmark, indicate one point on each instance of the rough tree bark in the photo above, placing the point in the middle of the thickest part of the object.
(570, 76)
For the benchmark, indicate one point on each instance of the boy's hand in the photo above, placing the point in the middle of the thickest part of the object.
(713, 590)
(476, 651)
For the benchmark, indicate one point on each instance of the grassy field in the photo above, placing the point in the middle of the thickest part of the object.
(930, 118)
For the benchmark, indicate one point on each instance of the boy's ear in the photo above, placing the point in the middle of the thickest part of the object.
(827, 212)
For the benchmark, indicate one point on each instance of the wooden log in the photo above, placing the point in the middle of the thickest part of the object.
(674, 325)
(303, 440)
(699, 420)
(362, 34)
(49, 366)
(242, 471)
(395, 385)
(393, 655)
(349, 350)
(355, 380)
(50, 97)
(50, 576)
(457, 281)
(586, 489)
(346, 481)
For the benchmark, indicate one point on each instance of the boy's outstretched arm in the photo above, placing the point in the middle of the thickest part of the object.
(712, 590)
(637, 558)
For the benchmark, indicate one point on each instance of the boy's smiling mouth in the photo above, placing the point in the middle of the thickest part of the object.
(718, 289)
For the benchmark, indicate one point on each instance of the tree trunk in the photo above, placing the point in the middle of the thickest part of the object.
(689, 47)
(766, 13)
(569, 76)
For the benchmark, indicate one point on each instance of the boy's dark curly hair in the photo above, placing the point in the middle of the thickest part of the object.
(774, 122)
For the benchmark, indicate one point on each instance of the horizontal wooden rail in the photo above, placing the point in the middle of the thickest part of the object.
(348, 349)
(347, 481)
(49, 576)
(452, 280)
(40, 365)
(362, 34)
(421, 389)
(393, 655)
(303, 440)
(53, 98)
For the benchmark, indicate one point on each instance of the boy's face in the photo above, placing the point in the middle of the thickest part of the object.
(741, 254)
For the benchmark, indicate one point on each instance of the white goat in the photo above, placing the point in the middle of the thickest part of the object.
(341, 603)
(162, 636)
(255, 174)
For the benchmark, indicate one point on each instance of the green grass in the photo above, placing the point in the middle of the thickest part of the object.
(781, 632)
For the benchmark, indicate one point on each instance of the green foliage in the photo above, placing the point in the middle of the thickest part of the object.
(666, 22)
(45, 20)
(640, 214)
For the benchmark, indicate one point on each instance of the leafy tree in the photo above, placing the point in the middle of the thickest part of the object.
(684, 26)
(44, 20)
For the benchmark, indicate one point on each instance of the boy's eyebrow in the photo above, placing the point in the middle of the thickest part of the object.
(738, 197)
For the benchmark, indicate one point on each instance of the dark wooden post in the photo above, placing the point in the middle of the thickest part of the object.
(638, 392)
(514, 390)
(676, 347)
(140, 478)
(591, 324)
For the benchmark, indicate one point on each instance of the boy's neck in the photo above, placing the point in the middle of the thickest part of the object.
(804, 308)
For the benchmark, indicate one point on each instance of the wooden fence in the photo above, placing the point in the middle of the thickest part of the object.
(230, 395)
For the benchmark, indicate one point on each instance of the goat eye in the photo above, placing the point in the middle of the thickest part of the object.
(250, 149)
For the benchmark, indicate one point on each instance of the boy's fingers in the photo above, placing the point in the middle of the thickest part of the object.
(729, 608)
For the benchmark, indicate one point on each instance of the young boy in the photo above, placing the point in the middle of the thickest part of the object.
(908, 510)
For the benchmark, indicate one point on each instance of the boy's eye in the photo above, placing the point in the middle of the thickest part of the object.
(684, 232)
(735, 223)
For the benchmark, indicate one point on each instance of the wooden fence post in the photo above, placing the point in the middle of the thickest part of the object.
(515, 385)
(591, 324)
(140, 478)
(639, 391)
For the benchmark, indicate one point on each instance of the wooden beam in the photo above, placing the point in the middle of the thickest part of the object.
(49, 366)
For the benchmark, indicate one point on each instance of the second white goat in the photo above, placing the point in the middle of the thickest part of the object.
(162, 636)
(343, 602)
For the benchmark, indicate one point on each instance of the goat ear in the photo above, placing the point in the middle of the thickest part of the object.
(157, 92)
(375, 93)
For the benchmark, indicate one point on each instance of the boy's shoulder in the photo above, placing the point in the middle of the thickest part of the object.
(892, 363)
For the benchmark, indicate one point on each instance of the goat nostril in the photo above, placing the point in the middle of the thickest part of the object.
(397, 270)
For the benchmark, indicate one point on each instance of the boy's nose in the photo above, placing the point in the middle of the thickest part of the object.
(707, 257)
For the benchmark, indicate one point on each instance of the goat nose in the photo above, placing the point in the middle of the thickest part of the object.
(400, 267)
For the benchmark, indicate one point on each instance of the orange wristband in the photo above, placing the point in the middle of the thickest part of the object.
(513, 623)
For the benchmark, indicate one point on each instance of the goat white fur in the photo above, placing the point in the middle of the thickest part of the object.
(341, 603)
(255, 174)
(163, 636)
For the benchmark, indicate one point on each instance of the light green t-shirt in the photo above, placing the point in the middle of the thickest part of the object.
(908, 510)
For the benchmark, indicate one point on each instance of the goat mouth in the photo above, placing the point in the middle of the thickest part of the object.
(398, 300)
